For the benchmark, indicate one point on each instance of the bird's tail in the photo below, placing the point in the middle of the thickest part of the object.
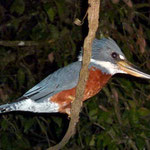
(3, 108)
(30, 105)
(9, 107)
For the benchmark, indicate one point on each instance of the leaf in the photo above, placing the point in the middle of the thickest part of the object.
(129, 3)
(93, 114)
(51, 14)
(134, 118)
(4, 124)
(141, 40)
(28, 124)
(115, 1)
(60, 8)
(113, 146)
(106, 140)
(21, 77)
(54, 31)
(58, 121)
(92, 142)
(18, 6)
(22, 143)
(42, 126)
(140, 142)
(143, 112)
(132, 104)
(105, 117)
(5, 141)
(51, 57)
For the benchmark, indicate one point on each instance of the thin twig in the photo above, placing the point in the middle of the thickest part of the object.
(24, 43)
(147, 144)
(132, 144)
(93, 17)
(116, 106)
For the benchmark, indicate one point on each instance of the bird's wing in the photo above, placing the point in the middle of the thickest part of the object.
(63, 79)
(36, 99)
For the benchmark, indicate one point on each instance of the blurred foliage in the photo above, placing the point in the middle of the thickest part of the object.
(118, 118)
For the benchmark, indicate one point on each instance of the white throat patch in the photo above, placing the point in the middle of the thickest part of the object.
(110, 67)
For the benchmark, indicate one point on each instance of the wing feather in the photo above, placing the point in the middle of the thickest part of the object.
(62, 79)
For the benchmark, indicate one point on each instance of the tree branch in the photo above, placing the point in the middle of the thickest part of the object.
(24, 43)
(93, 17)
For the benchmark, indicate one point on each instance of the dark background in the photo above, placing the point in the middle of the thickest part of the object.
(106, 122)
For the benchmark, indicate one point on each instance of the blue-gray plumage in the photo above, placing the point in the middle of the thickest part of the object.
(106, 57)
(63, 79)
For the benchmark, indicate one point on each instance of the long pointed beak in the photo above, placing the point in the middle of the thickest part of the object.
(129, 68)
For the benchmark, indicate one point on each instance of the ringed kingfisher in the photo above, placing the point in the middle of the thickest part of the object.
(56, 92)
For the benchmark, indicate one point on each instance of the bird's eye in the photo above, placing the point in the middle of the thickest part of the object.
(114, 55)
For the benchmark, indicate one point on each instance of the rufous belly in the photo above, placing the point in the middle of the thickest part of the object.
(95, 82)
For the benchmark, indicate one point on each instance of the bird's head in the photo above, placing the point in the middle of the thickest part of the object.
(108, 57)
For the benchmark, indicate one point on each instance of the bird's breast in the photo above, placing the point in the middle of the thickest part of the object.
(94, 84)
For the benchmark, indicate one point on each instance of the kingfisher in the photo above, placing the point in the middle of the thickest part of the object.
(57, 91)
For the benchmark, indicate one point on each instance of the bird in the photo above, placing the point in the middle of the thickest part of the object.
(56, 92)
